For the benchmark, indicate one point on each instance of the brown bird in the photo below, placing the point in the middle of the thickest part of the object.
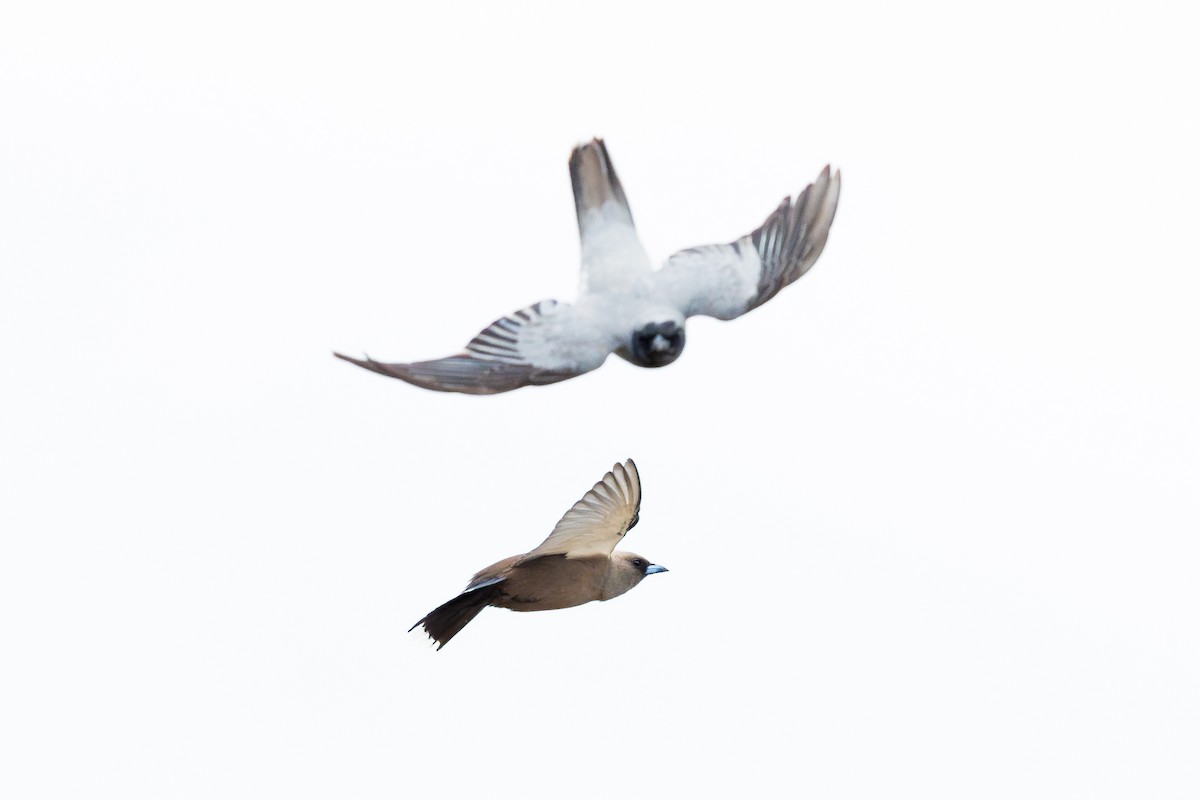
(575, 565)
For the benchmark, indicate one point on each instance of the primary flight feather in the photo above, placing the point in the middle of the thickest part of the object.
(624, 305)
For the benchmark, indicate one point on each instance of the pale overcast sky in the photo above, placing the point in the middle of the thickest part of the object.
(931, 513)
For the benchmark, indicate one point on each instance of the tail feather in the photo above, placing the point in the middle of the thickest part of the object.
(449, 618)
(595, 181)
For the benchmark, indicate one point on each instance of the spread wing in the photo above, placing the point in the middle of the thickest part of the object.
(596, 523)
(727, 280)
(544, 343)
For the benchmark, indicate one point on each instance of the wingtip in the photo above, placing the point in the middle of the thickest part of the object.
(400, 371)
(828, 179)
(835, 179)
(630, 473)
(366, 359)
(833, 189)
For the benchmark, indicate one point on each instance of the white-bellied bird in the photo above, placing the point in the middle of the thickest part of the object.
(624, 305)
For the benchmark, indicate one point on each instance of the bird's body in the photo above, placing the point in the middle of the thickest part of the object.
(575, 565)
(553, 582)
(625, 306)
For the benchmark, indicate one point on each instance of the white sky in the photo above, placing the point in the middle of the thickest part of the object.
(931, 513)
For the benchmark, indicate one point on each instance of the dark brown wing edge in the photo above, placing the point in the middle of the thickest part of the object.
(792, 238)
(464, 374)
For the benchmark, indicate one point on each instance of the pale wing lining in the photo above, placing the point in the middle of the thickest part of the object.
(727, 280)
(531, 346)
(596, 523)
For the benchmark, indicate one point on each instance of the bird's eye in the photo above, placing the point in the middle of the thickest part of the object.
(637, 562)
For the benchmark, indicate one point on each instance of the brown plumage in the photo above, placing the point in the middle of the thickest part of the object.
(575, 565)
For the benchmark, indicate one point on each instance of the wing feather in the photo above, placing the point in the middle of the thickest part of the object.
(532, 346)
(598, 521)
(727, 280)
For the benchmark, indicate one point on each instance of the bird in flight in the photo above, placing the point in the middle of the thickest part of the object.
(624, 305)
(575, 565)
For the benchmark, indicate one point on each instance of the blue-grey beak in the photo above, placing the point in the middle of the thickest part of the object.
(653, 568)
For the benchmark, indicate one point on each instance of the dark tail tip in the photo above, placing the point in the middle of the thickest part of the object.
(594, 179)
(445, 621)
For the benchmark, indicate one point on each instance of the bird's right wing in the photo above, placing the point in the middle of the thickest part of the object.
(596, 523)
(544, 343)
(727, 280)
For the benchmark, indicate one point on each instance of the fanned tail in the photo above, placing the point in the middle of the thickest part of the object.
(595, 182)
(449, 618)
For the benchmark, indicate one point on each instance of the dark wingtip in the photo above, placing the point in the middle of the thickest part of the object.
(365, 361)
(463, 374)
(390, 370)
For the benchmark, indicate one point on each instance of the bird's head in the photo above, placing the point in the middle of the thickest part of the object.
(655, 344)
(626, 571)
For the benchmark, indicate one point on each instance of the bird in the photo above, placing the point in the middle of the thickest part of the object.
(624, 306)
(576, 564)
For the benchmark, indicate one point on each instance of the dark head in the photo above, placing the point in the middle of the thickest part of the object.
(655, 344)
(626, 570)
(646, 568)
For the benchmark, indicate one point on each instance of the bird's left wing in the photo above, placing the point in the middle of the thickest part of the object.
(544, 343)
(596, 523)
(727, 280)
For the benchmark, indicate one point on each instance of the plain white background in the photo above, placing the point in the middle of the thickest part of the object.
(931, 513)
